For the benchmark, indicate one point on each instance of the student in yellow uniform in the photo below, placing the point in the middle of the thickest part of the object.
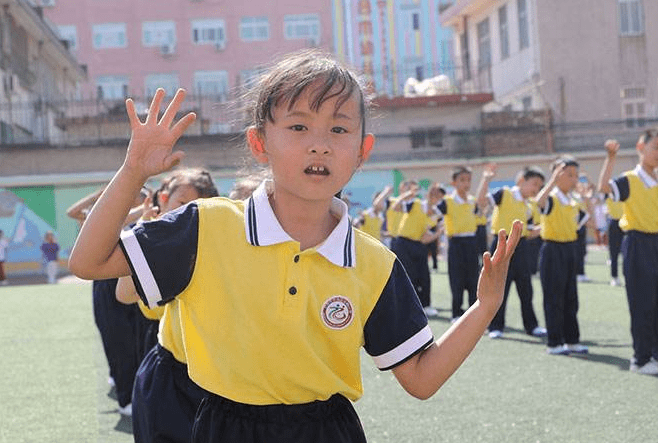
(511, 204)
(459, 210)
(638, 190)
(278, 294)
(395, 208)
(371, 220)
(558, 257)
(164, 399)
(615, 237)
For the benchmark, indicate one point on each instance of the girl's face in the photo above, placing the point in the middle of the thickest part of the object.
(531, 187)
(568, 179)
(312, 154)
(182, 195)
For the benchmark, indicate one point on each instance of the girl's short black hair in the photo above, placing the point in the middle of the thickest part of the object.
(567, 160)
(533, 171)
(459, 170)
(287, 80)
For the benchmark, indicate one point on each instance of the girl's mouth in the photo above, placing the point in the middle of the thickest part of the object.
(316, 170)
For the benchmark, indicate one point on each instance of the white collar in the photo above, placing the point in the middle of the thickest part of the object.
(648, 180)
(564, 199)
(456, 197)
(263, 229)
(516, 193)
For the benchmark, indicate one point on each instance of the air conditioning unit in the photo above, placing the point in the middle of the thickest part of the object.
(220, 45)
(167, 49)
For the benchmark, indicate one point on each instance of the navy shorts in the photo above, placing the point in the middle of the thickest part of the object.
(331, 421)
(165, 400)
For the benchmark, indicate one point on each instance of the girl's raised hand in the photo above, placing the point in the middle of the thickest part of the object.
(491, 284)
(151, 143)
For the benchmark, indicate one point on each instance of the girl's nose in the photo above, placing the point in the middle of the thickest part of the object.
(320, 146)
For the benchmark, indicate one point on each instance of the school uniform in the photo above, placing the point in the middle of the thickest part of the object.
(558, 259)
(411, 251)
(392, 220)
(273, 332)
(639, 193)
(165, 400)
(481, 234)
(534, 244)
(371, 223)
(615, 234)
(581, 240)
(116, 324)
(147, 328)
(463, 267)
(509, 205)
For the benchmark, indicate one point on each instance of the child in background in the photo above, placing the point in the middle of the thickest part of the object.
(435, 231)
(164, 398)
(371, 220)
(638, 190)
(509, 205)
(4, 242)
(277, 294)
(50, 249)
(459, 210)
(583, 196)
(615, 237)
(558, 257)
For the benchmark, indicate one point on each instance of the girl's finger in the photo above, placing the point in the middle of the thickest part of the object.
(182, 124)
(486, 262)
(132, 113)
(501, 247)
(154, 109)
(172, 109)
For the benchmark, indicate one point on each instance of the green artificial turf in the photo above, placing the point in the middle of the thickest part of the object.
(53, 377)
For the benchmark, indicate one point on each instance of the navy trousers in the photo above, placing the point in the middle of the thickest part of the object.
(640, 252)
(519, 273)
(463, 269)
(557, 271)
(413, 256)
(615, 236)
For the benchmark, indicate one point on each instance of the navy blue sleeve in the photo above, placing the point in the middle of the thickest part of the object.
(623, 190)
(442, 207)
(498, 196)
(162, 254)
(397, 328)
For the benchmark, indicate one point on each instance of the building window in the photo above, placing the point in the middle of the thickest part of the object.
(158, 33)
(504, 32)
(633, 106)
(112, 87)
(631, 18)
(168, 82)
(427, 137)
(484, 45)
(524, 37)
(109, 35)
(211, 84)
(254, 29)
(526, 103)
(415, 19)
(303, 26)
(209, 32)
(69, 34)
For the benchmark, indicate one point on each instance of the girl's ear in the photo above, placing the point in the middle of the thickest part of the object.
(256, 145)
(366, 147)
(163, 197)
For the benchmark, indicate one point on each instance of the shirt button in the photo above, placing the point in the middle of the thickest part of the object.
(296, 258)
(292, 290)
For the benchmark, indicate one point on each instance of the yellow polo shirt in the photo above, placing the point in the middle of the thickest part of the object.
(639, 193)
(458, 215)
(559, 218)
(264, 322)
(509, 205)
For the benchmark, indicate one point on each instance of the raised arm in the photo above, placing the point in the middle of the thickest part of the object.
(483, 187)
(611, 147)
(96, 254)
(423, 375)
(378, 202)
(542, 196)
(79, 209)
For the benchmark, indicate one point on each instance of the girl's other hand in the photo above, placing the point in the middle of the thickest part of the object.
(151, 143)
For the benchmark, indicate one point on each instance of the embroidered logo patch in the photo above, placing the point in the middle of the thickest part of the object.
(337, 312)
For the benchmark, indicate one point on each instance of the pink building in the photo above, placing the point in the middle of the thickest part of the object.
(209, 47)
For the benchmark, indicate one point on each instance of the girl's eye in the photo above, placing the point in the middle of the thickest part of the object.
(338, 130)
(298, 127)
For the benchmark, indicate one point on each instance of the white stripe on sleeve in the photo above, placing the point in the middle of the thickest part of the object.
(141, 267)
(405, 349)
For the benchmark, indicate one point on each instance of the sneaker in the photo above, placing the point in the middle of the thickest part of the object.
(495, 334)
(539, 332)
(557, 350)
(111, 382)
(615, 282)
(649, 368)
(582, 278)
(454, 319)
(126, 410)
(577, 348)
(430, 311)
